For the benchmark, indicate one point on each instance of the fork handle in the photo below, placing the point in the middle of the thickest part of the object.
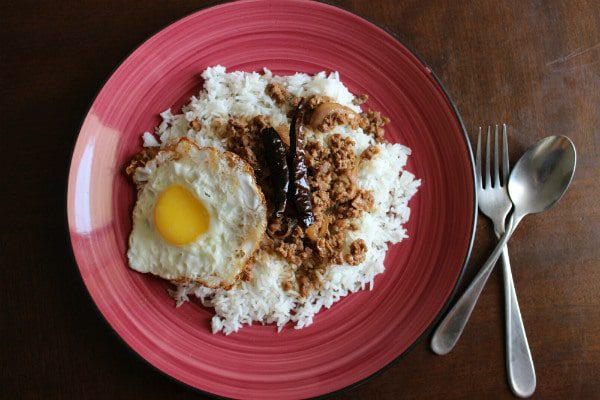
(519, 364)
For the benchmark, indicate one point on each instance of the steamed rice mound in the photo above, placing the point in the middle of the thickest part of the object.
(264, 298)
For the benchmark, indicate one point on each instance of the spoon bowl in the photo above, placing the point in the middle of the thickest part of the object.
(542, 175)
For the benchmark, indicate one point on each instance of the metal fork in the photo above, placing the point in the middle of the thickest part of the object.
(495, 203)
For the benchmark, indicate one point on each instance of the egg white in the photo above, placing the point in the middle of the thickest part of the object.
(225, 185)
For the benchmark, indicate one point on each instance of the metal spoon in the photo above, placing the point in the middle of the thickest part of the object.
(537, 182)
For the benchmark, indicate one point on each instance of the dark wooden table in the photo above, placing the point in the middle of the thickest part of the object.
(533, 64)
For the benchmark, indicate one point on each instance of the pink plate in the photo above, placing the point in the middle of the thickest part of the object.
(365, 331)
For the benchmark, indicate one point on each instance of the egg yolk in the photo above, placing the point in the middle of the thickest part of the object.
(179, 216)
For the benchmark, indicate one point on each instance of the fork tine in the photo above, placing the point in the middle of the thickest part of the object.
(505, 163)
(496, 171)
(488, 177)
(478, 159)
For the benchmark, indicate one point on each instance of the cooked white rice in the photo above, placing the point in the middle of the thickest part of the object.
(263, 299)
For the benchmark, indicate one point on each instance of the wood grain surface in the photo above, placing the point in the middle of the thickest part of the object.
(532, 64)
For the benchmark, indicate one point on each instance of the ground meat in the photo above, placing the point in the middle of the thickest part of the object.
(338, 118)
(370, 152)
(342, 153)
(330, 247)
(278, 93)
(304, 283)
(292, 247)
(243, 138)
(346, 211)
(358, 100)
(343, 189)
(336, 199)
(363, 201)
(358, 252)
(283, 98)
(287, 285)
(372, 124)
(196, 125)
(140, 159)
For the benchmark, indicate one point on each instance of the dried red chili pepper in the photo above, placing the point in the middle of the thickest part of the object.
(298, 170)
(276, 154)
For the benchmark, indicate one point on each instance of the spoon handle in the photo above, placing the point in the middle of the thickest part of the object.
(519, 364)
(449, 330)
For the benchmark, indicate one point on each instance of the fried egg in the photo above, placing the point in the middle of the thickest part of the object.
(199, 216)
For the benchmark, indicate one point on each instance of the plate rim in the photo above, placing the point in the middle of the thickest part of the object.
(403, 42)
